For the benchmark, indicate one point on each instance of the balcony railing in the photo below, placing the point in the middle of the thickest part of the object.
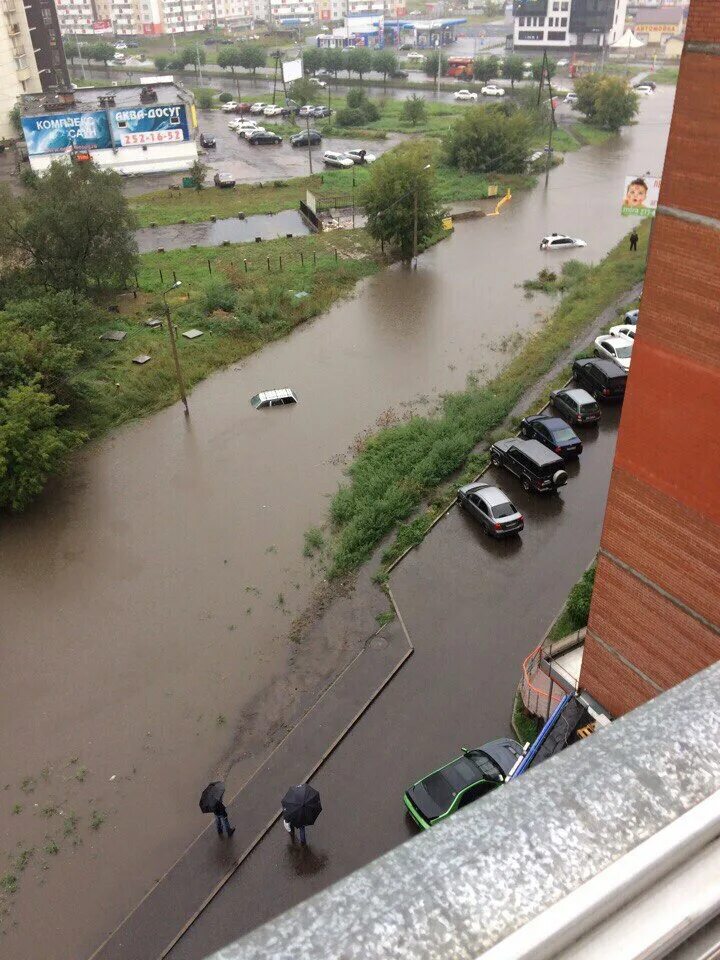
(21, 62)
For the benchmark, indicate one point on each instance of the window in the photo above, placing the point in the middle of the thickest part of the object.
(557, 35)
(521, 22)
(563, 21)
(564, 5)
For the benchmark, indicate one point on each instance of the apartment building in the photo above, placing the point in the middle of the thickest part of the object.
(31, 54)
(83, 17)
(567, 23)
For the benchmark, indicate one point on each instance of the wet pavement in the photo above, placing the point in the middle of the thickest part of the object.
(229, 230)
(153, 585)
(474, 608)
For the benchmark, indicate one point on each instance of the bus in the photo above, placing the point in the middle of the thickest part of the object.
(460, 67)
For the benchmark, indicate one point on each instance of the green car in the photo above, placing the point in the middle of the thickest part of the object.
(462, 780)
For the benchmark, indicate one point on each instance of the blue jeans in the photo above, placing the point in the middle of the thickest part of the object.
(219, 822)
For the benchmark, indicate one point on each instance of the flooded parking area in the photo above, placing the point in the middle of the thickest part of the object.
(228, 230)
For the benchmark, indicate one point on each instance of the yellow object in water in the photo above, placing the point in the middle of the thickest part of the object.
(447, 223)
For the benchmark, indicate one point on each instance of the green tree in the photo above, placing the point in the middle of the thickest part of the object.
(485, 140)
(71, 229)
(253, 56)
(389, 197)
(303, 91)
(32, 443)
(485, 69)
(312, 58)
(586, 89)
(359, 60)
(385, 62)
(15, 120)
(334, 60)
(205, 99)
(198, 174)
(550, 71)
(70, 50)
(414, 110)
(513, 69)
(229, 58)
(358, 100)
(161, 63)
(73, 318)
(578, 601)
(101, 52)
(35, 355)
(608, 102)
(431, 64)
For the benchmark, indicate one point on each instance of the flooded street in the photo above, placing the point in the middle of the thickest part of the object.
(147, 596)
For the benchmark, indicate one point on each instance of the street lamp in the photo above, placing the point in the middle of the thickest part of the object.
(173, 346)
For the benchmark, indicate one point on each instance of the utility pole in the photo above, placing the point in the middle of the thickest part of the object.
(550, 134)
(307, 122)
(276, 55)
(173, 347)
(439, 65)
(82, 65)
(543, 68)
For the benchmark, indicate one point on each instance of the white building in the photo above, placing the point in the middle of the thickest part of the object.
(18, 69)
(562, 24)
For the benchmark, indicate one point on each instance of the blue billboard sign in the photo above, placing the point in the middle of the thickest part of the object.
(103, 129)
(139, 126)
(63, 132)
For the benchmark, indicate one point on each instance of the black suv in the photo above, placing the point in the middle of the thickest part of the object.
(301, 139)
(263, 136)
(603, 379)
(554, 433)
(537, 467)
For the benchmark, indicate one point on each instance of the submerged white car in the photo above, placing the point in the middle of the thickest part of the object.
(624, 330)
(492, 90)
(618, 349)
(465, 95)
(558, 241)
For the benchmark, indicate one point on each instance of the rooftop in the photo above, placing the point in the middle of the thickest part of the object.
(88, 98)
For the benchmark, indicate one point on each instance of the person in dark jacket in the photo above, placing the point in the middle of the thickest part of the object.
(634, 237)
(221, 819)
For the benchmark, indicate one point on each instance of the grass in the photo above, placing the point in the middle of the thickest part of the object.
(589, 135)
(97, 819)
(314, 541)
(9, 883)
(115, 390)
(574, 614)
(398, 468)
(665, 75)
(525, 725)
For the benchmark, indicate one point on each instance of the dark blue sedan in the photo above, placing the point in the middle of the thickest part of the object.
(553, 433)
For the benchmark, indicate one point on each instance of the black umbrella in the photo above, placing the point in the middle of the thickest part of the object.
(211, 796)
(301, 805)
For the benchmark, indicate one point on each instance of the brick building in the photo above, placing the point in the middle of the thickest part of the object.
(655, 613)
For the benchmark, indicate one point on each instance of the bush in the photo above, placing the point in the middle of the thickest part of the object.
(484, 140)
(225, 97)
(348, 117)
(32, 445)
(413, 110)
(578, 601)
(218, 295)
(205, 100)
(359, 109)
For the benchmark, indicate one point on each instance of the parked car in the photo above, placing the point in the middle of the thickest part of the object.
(301, 139)
(414, 55)
(258, 107)
(322, 72)
(465, 95)
(400, 75)
(624, 330)
(632, 316)
(464, 779)
(333, 159)
(119, 58)
(571, 98)
(132, 43)
(536, 467)
(644, 90)
(604, 379)
(230, 106)
(223, 180)
(121, 45)
(617, 349)
(360, 156)
(558, 241)
(238, 122)
(247, 132)
(307, 110)
(321, 112)
(263, 138)
(318, 83)
(275, 110)
(577, 406)
(207, 142)
(553, 433)
(491, 508)
(273, 398)
(537, 155)
(562, 63)
(492, 90)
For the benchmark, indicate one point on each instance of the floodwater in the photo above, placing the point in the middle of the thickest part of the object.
(146, 596)
(228, 230)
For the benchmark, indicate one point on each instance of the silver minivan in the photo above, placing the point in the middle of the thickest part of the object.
(273, 398)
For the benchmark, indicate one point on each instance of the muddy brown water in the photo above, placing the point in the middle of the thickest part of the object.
(147, 595)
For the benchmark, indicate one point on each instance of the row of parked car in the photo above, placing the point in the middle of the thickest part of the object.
(275, 109)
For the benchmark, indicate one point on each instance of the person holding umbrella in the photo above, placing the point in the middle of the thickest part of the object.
(301, 808)
(211, 802)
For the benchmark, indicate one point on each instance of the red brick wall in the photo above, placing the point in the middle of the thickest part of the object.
(663, 513)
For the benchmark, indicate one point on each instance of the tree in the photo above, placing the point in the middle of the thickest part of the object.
(359, 100)
(312, 58)
(485, 69)
(390, 194)
(303, 91)
(101, 52)
(253, 56)
(70, 50)
(385, 62)
(413, 110)
(198, 174)
(15, 120)
(334, 60)
(513, 69)
(71, 229)
(485, 140)
(230, 57)
(161, 63)
(431, 64)
(199, 58)
(32, 444)
(551, 69)
(606, 101)
(359, 60)
(73, 318)
(28, 355)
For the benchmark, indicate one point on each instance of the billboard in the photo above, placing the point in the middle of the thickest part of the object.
(61, 133)
(102, 26)
(102, 130)
(292, 70)
(140, 126)
(640, 197)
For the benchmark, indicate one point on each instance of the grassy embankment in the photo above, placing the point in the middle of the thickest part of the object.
(403, 466)
(262, 308)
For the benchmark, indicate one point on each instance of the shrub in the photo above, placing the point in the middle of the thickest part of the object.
(348, 117)
(218, 295)
(205, 100)
(225, 97)
(578, 601)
